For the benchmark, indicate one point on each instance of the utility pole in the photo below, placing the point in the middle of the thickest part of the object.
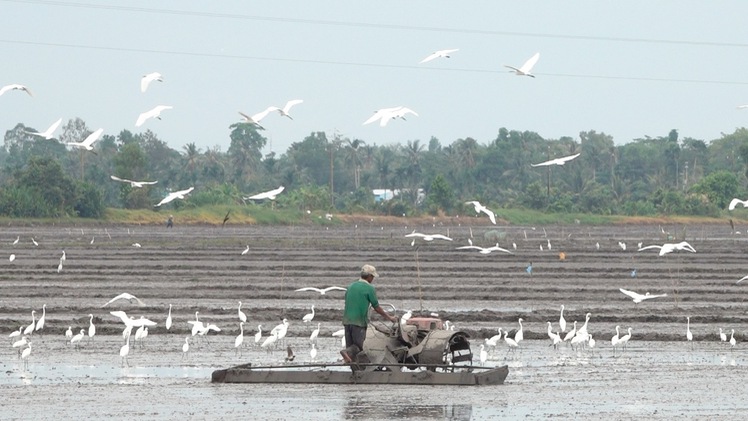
(548, 185)
(333, 144)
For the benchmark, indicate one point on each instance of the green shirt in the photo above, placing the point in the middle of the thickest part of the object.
(359, 295)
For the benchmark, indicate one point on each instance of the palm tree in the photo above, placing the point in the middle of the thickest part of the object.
(352, 156)
(191, 162)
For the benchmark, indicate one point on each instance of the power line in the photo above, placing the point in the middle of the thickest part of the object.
(359, 25)
(349, 63)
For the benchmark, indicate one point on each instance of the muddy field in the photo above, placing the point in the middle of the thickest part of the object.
(203, 269)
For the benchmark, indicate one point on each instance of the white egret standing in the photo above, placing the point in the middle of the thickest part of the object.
(14, 334)
(242, 316)
(583, 330)
(309, 316)
(313, 353)
(270, 340)
(124, 351)
(483, 355)
(614, 340)
(689, 335)
(40, 322)
(91, 328)
(625, 340)
(733, 342)
(69, 333)
(25, 355)
(519, 336)
(722, 335)
(571, 333)
(75, 340)
(20, 343)
(168, 319)
(185, 347)
(513, 345)
(239, 338)
(561, 320)
(258, 335)
(315, 333)
(30, 328)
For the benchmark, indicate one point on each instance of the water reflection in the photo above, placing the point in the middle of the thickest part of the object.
(358, 408)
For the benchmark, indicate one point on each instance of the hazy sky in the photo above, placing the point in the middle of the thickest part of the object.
(629, 69)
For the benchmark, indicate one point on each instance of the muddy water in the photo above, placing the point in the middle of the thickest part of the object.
(201, 269)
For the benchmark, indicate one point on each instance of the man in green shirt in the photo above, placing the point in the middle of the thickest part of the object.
(358, 297)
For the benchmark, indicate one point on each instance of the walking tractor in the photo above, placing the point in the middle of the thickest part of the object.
(417, 351)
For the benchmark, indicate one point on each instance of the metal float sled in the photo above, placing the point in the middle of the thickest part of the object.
(418, 352)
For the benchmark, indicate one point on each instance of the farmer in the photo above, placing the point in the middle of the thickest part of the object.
(358, 297)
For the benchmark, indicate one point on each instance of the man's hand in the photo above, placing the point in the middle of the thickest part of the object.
(393, 319)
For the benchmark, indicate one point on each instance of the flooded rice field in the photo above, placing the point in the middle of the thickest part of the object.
(202, 269)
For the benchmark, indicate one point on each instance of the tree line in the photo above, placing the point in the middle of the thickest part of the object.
(647, 176)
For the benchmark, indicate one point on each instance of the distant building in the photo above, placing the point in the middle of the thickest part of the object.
(383, 195)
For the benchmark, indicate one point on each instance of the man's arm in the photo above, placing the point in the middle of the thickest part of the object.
(384, 314)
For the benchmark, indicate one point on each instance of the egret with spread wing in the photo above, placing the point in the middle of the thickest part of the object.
(526, 68)
(256, 118)
(286, 108)
(428, 237)
(88, 141)
(175, 195)
(47, 134)
(638, 298)
(266, 195)
(480, 208)
(735, 202)
(15, 87)
(486, 250)
(439, 54)
(147, 79)
(322, 291)
(670, 247)
(155, 112)
(137, 184)
(126, 296)
(557, 161)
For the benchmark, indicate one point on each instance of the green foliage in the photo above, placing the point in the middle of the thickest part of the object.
(89, 204)
(22, 202)
(440, 196)
(663, 174)
(719, 187)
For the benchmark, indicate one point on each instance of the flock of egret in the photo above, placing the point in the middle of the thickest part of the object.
(578, 338)
(20, 339)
